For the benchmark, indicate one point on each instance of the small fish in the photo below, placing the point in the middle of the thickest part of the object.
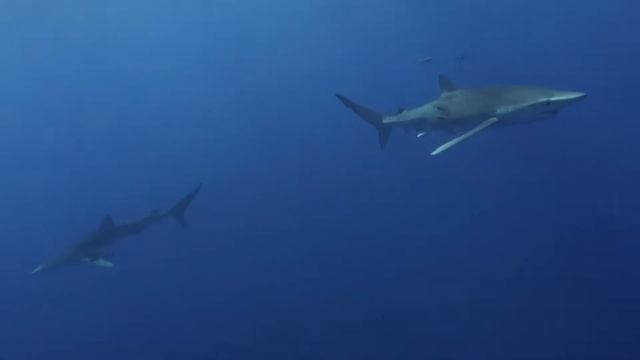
(426, 59)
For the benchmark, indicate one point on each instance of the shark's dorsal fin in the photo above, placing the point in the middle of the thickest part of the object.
(107, 224)
(446, 85)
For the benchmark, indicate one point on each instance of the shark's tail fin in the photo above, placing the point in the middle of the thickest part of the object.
(177, 212)
(370, 116)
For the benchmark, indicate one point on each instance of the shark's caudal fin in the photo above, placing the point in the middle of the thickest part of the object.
(177, 212)
(370, 116)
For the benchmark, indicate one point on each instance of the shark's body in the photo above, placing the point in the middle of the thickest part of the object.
(92, 249)
(470, 110)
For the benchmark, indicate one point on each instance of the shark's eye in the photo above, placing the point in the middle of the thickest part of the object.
(547, 103)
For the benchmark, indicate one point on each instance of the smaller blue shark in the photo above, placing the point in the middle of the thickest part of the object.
(91, 250)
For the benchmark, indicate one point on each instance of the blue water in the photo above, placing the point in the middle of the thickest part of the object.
(307, 241)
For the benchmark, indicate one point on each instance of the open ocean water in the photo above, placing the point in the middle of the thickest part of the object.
(307, 241)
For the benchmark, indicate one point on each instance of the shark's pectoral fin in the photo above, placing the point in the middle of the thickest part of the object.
(102, 263)
(465, 136)
(98, 262)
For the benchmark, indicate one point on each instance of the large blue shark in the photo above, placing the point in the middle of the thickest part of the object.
(91, 250)
(469, 110)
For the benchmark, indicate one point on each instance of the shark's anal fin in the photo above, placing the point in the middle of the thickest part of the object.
(465, 136)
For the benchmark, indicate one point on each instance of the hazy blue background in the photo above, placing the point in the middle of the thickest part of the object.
(307, 241)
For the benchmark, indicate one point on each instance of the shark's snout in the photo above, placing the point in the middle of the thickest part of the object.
(570, 96)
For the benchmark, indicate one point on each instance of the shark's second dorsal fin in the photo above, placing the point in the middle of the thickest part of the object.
(446, 85)
(107, 224)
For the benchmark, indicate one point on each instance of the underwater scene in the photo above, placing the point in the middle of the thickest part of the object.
(320, 180)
